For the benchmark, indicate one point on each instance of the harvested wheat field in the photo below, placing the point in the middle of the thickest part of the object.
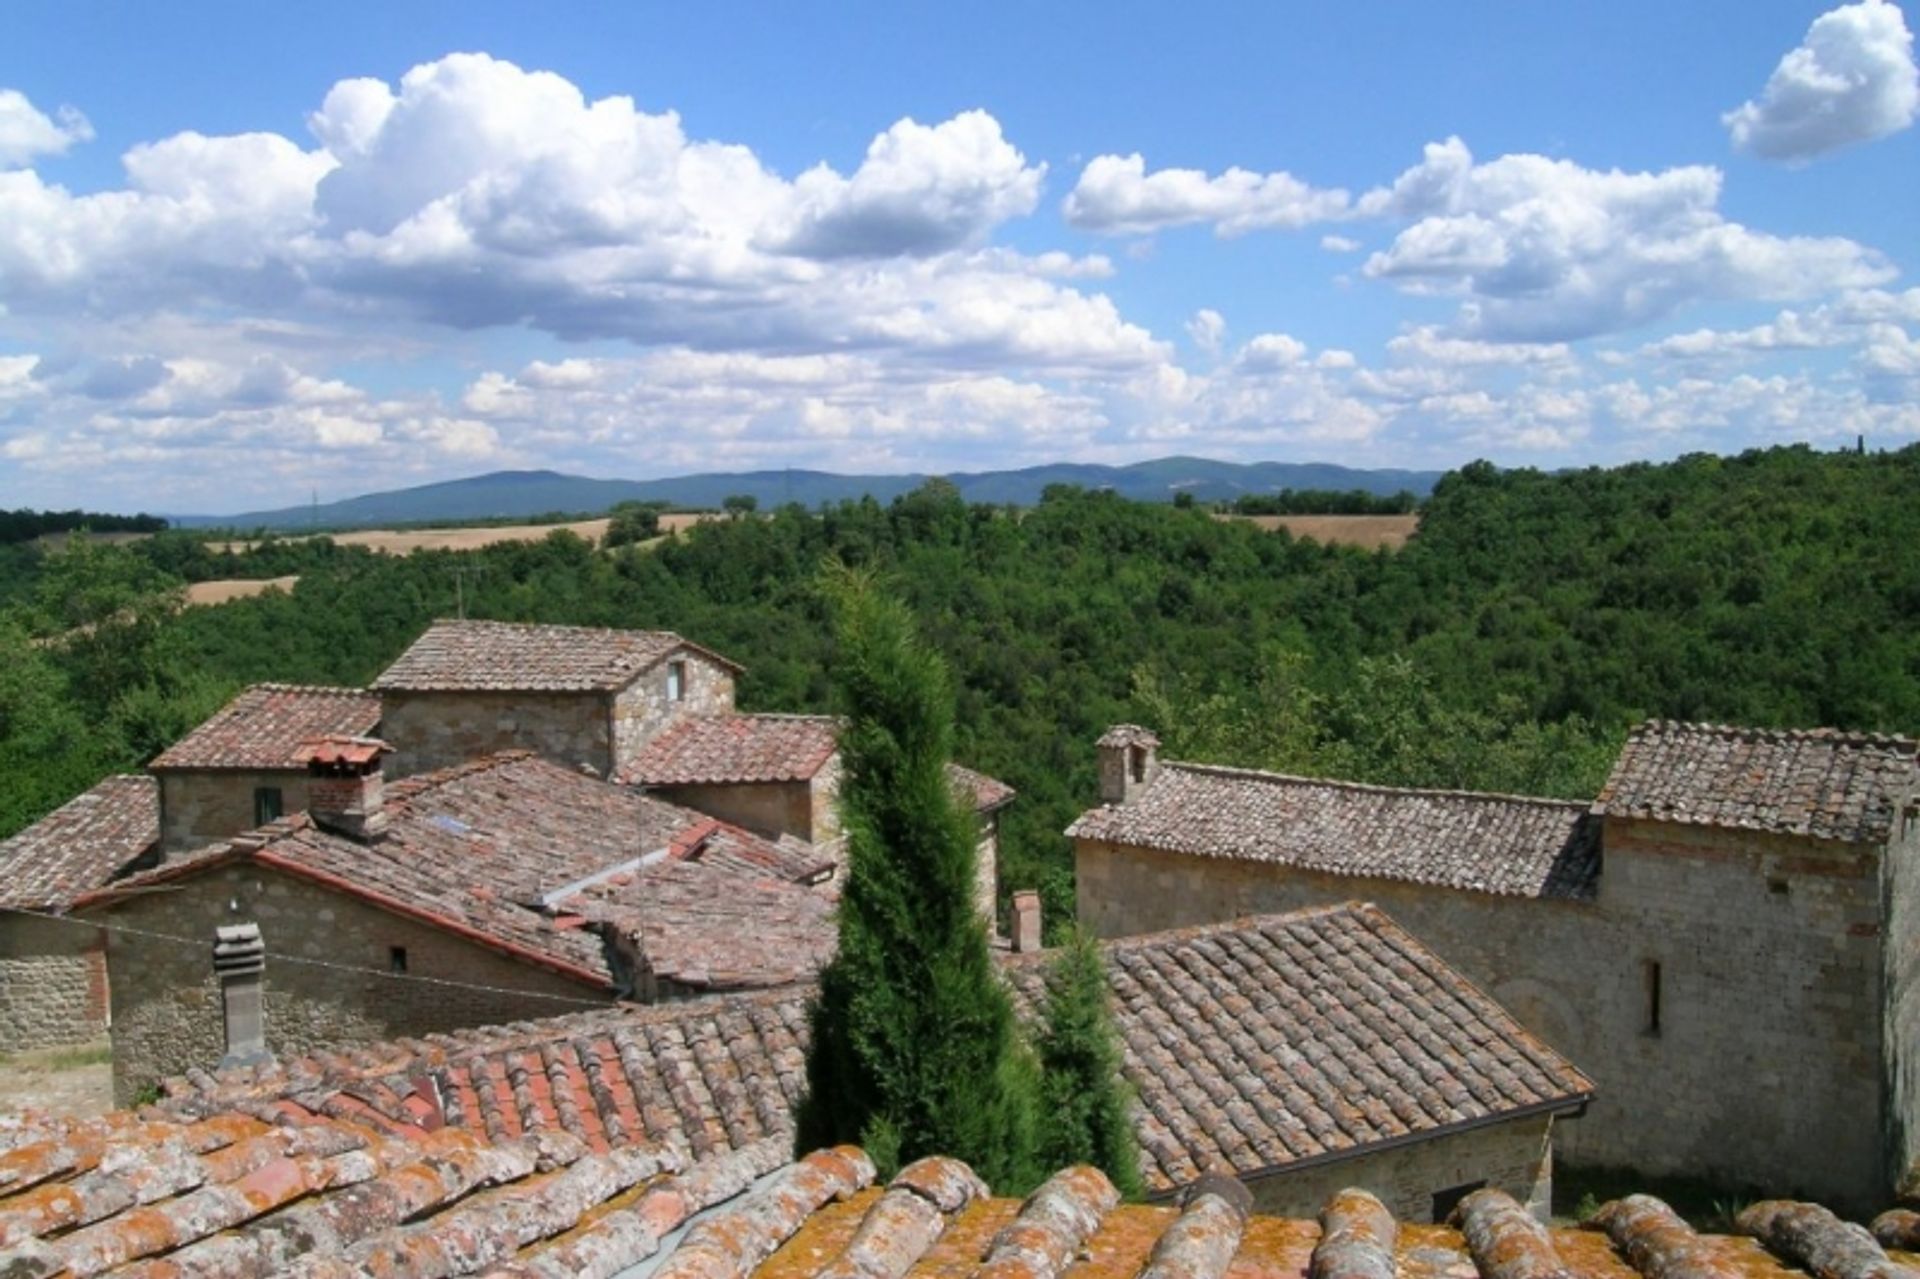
(238, 588)
(390, 541)
(1368, 531)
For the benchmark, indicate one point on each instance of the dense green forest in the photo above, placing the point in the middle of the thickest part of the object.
(1508, 646)
(1326, 502)
(24, 525)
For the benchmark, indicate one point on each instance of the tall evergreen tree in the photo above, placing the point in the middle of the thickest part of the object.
(1084, 1099)
(914, 1050)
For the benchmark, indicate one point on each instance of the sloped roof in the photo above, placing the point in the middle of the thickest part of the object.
(1820, 782)
(477, 849)
(734, 748)
(1504, 844)
(264, 726)
(274, 1190)
(1256, 1044)
(81, 845)
(986, 794)
(1250, 1045)
(521, 657)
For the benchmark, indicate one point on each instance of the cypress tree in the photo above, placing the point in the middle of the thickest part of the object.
(1084, 1098)
(914, 1050)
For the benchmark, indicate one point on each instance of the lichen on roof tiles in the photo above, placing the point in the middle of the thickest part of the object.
(453, 656)
(1819, 782)
(1503, 844)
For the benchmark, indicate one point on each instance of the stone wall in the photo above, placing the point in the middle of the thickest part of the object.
(53, 983)
(166, 1003)
(771, 809)
(205, 807)
(434, 730)
(1766, 1068)
(643, 708)
(1516, 1156)
(1901, 956)
(986, 872)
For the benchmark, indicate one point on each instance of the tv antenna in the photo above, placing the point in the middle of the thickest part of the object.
(460, 572)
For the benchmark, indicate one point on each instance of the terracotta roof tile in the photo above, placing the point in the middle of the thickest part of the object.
(518, 657)
(733, 748)
(266, 726)
(1249, 1046)
(1820, 782)
(1455, 839)
(985, 793)
(80, 846)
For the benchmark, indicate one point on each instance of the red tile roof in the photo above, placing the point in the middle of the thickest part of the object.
(1503, 844)
(1250, 1046)
(1820, 782)
(81, 845)
(732, 749)
(519, 657)
(266, 727)
(478, 848)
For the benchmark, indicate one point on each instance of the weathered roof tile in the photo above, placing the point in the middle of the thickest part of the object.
(266, 727)
(478, 656)
(80, 846)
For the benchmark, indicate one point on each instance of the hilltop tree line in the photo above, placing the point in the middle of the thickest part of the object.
(1508, 646)
(24, 525)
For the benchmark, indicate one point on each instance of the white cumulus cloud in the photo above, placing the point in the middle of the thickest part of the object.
(26, 132)
(1852, 79)
(1116, 195)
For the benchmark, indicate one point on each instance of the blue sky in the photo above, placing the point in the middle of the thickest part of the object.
(249, 251)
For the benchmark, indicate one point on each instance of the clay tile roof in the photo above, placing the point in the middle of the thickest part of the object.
(1820, 782)
(519, 657)
(1259, 1043)
(1504, 844)
(1250, 1046)
(986, 794)
(707, 928)
(731, 749)
(267, 726)
(479, 848)
(1127, 735)
(81, 845)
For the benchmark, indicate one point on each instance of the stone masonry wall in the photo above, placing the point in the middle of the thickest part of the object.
(434, 730)
(1766, 1068)
(1901, 958)
(826, 802)
(642, 708)
(53, 983)
(771, 809)
(199, 808)
(166, 1002)
(1516, 1156)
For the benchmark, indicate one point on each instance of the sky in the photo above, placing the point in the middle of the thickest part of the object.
(254, 253)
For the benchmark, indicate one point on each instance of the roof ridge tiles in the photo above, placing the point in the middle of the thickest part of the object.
(1750, 732)
(1369, 788)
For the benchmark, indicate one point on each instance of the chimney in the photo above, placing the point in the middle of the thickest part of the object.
(345, 791)
(1127, 762)
(240, 962)
(1026, 921)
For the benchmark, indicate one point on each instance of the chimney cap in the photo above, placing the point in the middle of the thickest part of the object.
(341, 750)
(1128, 735)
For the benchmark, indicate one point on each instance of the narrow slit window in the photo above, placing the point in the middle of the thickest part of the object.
(1652, 980)
(676, 681)
(396, 959)
(1138, 759)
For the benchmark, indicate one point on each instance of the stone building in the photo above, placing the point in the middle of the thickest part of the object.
(1724, 940)
(1300, 1053)
(488, 891)
(53, 969)
(244, 767)
(574, 694)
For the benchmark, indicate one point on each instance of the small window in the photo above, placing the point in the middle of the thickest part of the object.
(676, 681)
(1445, 1201)
(267, 805)
(1651, 977)
(396, 959)
(1137, 758)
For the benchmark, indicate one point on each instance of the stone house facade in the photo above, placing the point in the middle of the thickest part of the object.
(1725, 940)
(580, 696)
(53, 968)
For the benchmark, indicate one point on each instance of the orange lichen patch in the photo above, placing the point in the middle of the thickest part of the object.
(1124, 1242)
(956, 1254)
(822, 1238)
(1357, 1240)
(1274, 1248)
(1591, 1255)
(1656, 1242)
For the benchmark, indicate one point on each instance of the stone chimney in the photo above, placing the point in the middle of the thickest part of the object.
(240, 962)
(1026, 921)
(345, 790)
(1127, 762)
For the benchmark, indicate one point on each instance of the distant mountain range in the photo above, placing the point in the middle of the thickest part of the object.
(508, 494)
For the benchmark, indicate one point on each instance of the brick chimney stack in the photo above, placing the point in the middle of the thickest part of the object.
(345, 789)
(1127, 762)
(1026, 921)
